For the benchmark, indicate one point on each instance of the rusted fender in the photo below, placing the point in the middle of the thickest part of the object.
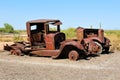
(67, 46)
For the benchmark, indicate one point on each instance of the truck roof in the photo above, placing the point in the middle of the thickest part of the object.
(45, 21)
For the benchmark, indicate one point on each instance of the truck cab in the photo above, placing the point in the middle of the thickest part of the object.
(45, 34)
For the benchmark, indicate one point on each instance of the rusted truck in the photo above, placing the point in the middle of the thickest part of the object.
(46, 39)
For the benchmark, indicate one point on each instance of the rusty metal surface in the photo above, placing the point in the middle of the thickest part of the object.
(48, 53)
(49, 39)
(45, 21)
(68, 46)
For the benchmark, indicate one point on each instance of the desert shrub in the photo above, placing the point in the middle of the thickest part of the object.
(70, 33)
(2, 30)
(8, 29)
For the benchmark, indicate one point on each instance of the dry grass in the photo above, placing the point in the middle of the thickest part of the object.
(13, 38)
(115, 41)
(113, 35)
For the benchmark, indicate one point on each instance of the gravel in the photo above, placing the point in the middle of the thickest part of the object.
(104, 67)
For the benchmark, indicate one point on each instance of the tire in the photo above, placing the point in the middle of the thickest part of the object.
(73, 55)
(107, 50)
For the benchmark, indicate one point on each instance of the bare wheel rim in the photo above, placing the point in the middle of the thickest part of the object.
(100, 48)
(95, 48)
(73, 55)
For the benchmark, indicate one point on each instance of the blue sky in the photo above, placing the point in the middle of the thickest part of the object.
(72, 13)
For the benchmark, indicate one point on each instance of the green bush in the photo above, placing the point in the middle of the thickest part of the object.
(2, 30)
(8, 29)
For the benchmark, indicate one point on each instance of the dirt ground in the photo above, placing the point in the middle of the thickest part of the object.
(104, 67)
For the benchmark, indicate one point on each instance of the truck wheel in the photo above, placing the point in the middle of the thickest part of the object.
(73, 55)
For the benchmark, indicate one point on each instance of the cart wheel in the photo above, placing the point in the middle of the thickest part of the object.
(73, 55)
(16, 52)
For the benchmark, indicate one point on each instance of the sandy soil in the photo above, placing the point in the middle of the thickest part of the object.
(104, 67)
